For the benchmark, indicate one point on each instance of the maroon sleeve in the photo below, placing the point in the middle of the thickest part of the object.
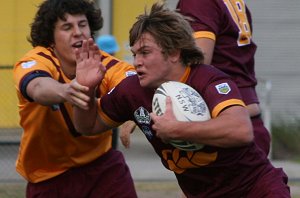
(206, 14)
(216, 88)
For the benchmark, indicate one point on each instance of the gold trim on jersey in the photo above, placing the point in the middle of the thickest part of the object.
(217, 109)
(204, 34)
(186, 74)
(104, 118)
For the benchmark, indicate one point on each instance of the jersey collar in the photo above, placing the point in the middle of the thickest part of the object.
(186, 74)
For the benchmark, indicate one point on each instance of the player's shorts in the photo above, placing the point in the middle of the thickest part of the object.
(107, 176)
(261, 135)
(272, 184)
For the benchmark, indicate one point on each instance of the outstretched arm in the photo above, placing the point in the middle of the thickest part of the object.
(48, 91)
(89, 73)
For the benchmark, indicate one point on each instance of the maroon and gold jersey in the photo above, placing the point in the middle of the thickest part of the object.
(201, 172)
(229, 23)
(50, 144)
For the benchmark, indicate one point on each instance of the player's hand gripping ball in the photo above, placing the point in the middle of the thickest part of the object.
(188, 105)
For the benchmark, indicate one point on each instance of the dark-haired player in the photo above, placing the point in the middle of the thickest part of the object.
(54, 158)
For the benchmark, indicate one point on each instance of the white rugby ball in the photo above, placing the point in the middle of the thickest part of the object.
(188, 105)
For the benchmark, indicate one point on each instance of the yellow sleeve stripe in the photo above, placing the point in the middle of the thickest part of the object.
(105, 119)
(204, 34)
(227, 103)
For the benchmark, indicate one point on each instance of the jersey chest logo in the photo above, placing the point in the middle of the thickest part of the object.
(142, 116)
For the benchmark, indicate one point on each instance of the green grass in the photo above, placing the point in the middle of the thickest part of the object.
(285, 140)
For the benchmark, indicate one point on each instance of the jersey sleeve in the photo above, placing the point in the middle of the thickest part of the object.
(221, 94)
(205, 15)
(116, 71)
(32, 65)
(217, 89)
(114, 107)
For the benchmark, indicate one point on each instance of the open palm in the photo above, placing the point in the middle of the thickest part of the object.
(89, 69)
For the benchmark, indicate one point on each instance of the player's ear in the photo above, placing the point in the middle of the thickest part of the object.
(175, 56)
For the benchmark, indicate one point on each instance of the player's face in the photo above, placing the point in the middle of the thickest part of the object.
(68, 35)
(152, 66)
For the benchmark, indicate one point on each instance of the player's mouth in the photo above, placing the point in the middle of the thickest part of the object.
(140, 74)
(77, 44)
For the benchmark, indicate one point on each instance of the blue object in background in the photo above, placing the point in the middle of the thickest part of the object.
(108, 44)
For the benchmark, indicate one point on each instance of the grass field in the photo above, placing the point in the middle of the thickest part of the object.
(145, 189)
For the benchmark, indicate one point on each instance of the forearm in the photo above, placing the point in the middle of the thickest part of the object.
(87, 121)
(223, 131)
(216, 134)
(46, 91)
(89, 73)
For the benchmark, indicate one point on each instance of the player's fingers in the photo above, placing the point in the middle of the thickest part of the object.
(80, 96)
(84, 50)
(125, 139)
(80, 103)
(77, 55)
(129, 127)
(78, 87)
(97, 55)
(102, 68)
(90, 44)
(169, 108)
(125, 130)
(93, 46)
(153, 117)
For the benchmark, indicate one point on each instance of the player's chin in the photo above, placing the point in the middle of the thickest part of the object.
(143, 81)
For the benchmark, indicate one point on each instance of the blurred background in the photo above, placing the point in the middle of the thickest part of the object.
(276, 26)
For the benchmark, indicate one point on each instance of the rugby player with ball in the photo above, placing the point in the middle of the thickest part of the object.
(228, 163)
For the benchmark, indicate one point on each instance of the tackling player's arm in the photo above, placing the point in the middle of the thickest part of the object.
(89, 73)
(47, 91)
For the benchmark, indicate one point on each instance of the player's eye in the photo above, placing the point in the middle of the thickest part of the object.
(145, 52)
(66, 27)
(83, 24)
